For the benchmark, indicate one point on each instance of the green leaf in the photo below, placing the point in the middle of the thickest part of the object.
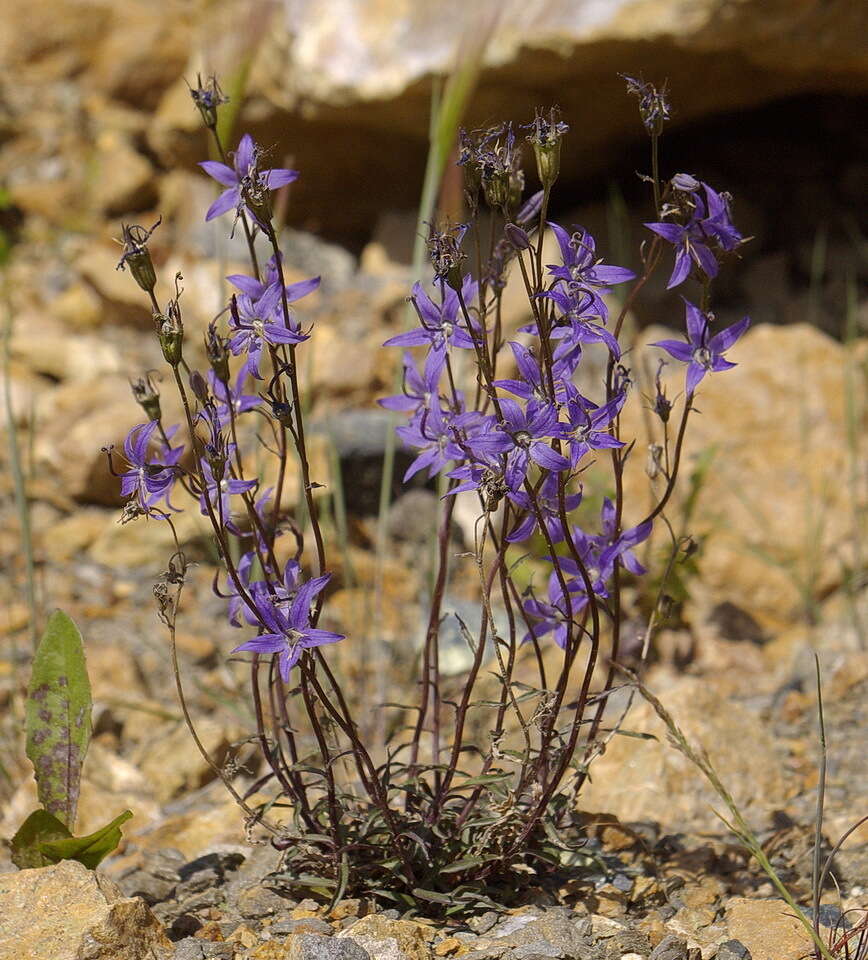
(38, 828)
(431, 895)
(89, 850)
(484, 779)
(460, 865)
(58, 717)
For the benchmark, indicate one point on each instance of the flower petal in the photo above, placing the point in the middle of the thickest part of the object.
(722, 341)
(220, 172)
(228, 200)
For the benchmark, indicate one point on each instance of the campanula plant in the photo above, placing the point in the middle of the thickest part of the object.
(437, 814)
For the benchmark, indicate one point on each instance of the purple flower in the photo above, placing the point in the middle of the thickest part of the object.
(218, 492)
(289, 633)
(619, 548)
(258, 589)
(703, 353)
(432, 431)
(233, 400)
(523, 437)
(419, 389)
(256, 288)
(148, 479)
(260, 321)
(441, 327)
(587, 425)
(551, 617)
(549, 507)
(531, 384)
(578, 251)
(707, 223)
(243, 175)
(580, 309)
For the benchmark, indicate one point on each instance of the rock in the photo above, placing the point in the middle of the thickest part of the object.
(628, 943)
(650, 780)
(767, 929)
(122, 299)
(669, 948)
(96, 922)
(72, 535)
(258, 901)
(125, 181)
(171, 762)
(194, 948)
(554, 933)
(46, 348)
(754, 555)
(309, 946)
(697, 926)
(385, 939)
(155, 878)
(78, 307)
(733, 950)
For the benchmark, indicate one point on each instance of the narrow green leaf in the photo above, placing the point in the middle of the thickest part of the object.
(89, 850)
(485, 779)
(38, 828)
(58, 717)
(431, 895)
(466, 864)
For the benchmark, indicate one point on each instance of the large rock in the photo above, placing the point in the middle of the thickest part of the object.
(650, 780)
(67, 912)
(768, 929)
(775, 508)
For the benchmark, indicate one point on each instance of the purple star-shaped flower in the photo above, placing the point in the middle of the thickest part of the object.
(233, 400)
(523, 436)
(549, 507)
(419, 389)
(255, 322)
(578, 251)
(580, 310)
(148, 479)
(709, 222)
(289, 632)
(703, 353)
(256, 288)
(219, 492)
(440, 325)
(587, 424)
(243, 172)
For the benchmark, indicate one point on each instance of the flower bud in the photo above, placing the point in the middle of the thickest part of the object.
(199, 386)
(170, 327)
(216, 457)
(281, 410)
(147, 396)
(516, 236)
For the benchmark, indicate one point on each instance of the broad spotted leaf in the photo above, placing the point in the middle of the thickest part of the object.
(58, 717)
(38, 828)
(89, 850)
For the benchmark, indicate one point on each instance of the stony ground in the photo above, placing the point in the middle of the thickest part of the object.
(778, 474)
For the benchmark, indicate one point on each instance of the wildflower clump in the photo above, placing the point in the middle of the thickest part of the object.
(511, 419)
